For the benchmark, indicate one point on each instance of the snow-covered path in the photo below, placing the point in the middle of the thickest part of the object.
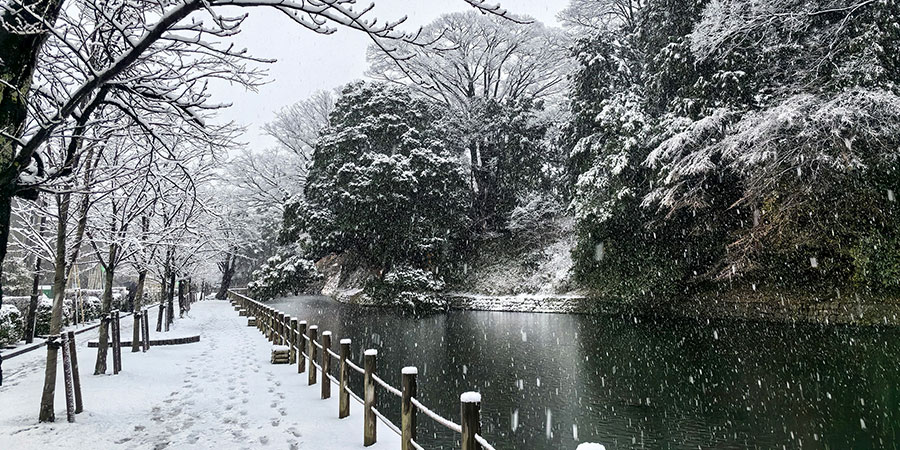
(219, 393)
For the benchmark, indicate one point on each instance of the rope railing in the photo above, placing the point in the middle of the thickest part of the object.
(436, 417)
(389, 388)
(285, 332)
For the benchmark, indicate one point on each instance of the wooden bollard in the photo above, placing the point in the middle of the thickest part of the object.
(301, 344)
(293, 340)
(137, 334)
(279, 326)
(159, 317)
(67, 375)
(146, 318)
(76, 378)
(470, 419)
(407, 410)
(326, 364)
(343, 395)
(313, 353)
(369, 426)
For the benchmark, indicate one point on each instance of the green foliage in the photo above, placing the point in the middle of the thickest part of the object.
(12, 325)
(408, 288)
(286, 272)
(737, 139)
(384, 182)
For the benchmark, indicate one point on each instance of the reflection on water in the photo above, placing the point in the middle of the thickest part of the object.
(550, 381)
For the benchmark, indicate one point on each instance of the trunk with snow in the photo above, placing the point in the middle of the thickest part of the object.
(105, 308)
(138, 305)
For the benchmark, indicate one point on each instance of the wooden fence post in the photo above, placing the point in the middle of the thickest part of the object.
(76, 378)
(343, 395)
(470, 419)
(301, 344)
(313, 353)
(326, 364)
(279, 327)
(407, 410)
(159, 317)
(293, 340)
(67, 375)
(369, 426)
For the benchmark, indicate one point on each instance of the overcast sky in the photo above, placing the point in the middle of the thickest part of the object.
(307, 62)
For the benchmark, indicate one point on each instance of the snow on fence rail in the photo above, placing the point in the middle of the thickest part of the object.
(314, 354)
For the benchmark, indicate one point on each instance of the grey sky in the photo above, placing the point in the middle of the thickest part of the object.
(308, 62)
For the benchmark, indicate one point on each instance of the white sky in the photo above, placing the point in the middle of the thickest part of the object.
(307, 62)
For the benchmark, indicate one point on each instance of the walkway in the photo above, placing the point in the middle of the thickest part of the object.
(218, 393)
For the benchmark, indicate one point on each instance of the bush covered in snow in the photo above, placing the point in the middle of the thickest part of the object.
(286, 272)
(12, 325)
(408, 288)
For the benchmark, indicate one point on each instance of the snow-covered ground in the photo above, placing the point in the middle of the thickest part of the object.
(219, 393)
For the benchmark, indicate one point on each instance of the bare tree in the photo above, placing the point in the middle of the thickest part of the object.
(298, 126)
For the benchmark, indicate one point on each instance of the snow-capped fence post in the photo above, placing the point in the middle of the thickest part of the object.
(159, 317)
(293, 340)
(470, 419)
(301, 358)
(343, 395)
(326, 364)
(313, 353)
(76, 379)
(369, 427)
(67, 377)
(407, 410)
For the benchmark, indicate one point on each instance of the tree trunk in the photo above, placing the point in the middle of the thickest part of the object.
(35, 283)
(59, 292)
(138, 304)
(170, 315)
(105, 308)
(227, 274)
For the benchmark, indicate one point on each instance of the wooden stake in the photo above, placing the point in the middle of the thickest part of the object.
(293, 340)
(159, 317)
(369, 426)
(301, 344)
(313, 353)
(407, 410)
(470, 419)
(326, 364)
(67, 374)
(343, 395)
(76, 378)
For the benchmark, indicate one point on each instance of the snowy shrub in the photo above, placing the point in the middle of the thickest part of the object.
(284, 273)
(533, 213)
(42, 317)
(12, 325)
(408, 288)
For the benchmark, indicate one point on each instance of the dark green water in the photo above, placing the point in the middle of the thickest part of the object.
(551, 381)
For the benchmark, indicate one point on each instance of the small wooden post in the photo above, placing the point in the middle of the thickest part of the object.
(159, 317)
(293, 341)
(67, 374)
(369, 426)
(301, 344)
(279, 328)
(119, 339)
(407, 410)
(470, 419)
(343, 395)
(326, 364)
(146, 315)
(76, 378)
(114, 319)
(313, 353)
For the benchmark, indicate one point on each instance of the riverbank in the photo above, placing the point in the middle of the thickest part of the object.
(221, 392)
(745, 305)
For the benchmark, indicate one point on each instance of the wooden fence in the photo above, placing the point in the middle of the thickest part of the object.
(303, 342)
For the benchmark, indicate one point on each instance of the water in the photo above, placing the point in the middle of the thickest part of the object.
(551, 381)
